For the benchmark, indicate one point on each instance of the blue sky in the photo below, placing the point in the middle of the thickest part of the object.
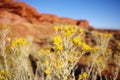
(103, 14)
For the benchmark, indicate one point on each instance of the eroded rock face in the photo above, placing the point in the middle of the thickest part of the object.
(24, 20)
(84, 23)
(7, 17)
(31, 15)
(19, 8)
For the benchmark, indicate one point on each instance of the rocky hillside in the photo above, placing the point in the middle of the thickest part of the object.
(23, 12)
(25, 20)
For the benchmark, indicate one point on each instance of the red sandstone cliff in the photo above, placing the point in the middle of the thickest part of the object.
(19, 11)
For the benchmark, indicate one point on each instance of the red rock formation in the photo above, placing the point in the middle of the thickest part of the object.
(48, 18)
(68, 21)
(19, 8)
(18, 13)
(7, 17)
(31, 15)
(83, 23)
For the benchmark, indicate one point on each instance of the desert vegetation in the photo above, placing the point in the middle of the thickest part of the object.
(59, 60)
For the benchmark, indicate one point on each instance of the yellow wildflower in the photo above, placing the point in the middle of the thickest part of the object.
(118, 42)
(47, 71)
(85, 75)
(99, 59)
(81, 31)
(107, 35)
(86, 47)
(59, 47)
(76, 40)
(47, 50)
(4, 26)
(72, 30)
(19, 42)
(57, 40)
(94, 49)
(46, 62)
(38, 53)
(2, 71)
(57, 28)
(80, 77)
(58, 63)
(8, 39)
(68, 33)
(76, 27)
(4, 75)
(66, 28)
(108, 52)
(70, 61)
(2, 78)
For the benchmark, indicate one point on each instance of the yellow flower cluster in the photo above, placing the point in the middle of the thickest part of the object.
(58, 63)
(100, 59)
(46, 63)
(69, 30)
(47, 71)
(107, 35)
(4, 75)
(66, 28)
(8, 39)
(67, 33)
(57, 41)
(4, 26)
(86, 47)
(83, 76)
(57, 28)
(108, 52)
(73, 29)
(81, 31)
(77, 41)
(70, 61)
(59, 47)
(19, 42)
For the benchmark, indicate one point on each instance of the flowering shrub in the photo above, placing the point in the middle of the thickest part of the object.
(5, 75)
(59, 60)
(14, 54)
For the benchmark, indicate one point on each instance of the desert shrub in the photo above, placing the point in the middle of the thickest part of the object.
(59, 60)
(14, 54)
